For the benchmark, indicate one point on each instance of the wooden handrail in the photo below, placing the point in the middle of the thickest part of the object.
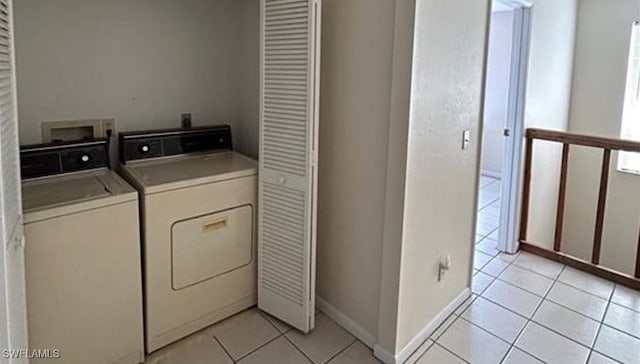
(567, 139)
(583, 140)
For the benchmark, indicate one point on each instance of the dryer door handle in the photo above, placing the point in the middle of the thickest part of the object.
(216, 224)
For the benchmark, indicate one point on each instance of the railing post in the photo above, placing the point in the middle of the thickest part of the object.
(526, 188)
(562, 192)
(602, 202)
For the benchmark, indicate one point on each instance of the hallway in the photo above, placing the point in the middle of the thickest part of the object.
(526, 309)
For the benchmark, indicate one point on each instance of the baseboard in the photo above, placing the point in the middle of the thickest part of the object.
(347, 323)
(491, 174)
(384, 355)
(388, 358)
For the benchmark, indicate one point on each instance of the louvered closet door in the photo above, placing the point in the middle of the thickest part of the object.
(12, 258)
(288, 153)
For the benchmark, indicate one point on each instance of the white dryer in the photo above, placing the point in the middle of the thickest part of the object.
(198, 211)
(82, 255)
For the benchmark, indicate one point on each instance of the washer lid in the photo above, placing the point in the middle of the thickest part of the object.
(65, 194)
(168, 174)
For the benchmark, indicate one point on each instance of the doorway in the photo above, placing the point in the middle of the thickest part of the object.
(503, 131)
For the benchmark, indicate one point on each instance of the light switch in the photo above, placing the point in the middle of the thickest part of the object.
(466, 139)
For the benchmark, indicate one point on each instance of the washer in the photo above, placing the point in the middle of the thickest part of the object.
(198, 203)
(82, 255)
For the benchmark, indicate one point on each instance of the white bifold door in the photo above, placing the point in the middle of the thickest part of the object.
(13, 327)
(290, 47)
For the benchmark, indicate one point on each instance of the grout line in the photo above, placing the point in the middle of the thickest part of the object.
(512, 262)
(595, 339)
(259, 347)
(558, 304)
(483, 329)
(449, 351)
(341, 351)
(605, 355)
(299, 350)
(530, 319)
(433, 342)
(274, 325)
(223, 348)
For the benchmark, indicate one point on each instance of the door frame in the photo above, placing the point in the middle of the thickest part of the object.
(515, 123)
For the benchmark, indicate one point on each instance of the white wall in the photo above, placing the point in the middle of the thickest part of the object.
(142, 62)
(354, 122)
(496, 91)
(602, 50)
(440, 193)
(547, 105)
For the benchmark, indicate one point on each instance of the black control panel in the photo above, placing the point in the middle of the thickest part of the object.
(168, 142)
(56, 158)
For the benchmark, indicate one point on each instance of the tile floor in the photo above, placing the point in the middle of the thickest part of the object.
(524, 309)
(253, 337)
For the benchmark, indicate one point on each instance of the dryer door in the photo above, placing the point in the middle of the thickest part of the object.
(209, 246)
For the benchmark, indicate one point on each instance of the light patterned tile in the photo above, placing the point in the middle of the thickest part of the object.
(509, 258)
(623, 319)
(419, 352)
(480, 282)
(577, 300)
(200, 348)
(486, 200)
(567, 323)
(587, 282)
(495, 267)
(527, 280)
(539, 265)
(232, 332)
(495, 319)
(484, 228)
(326, 340)
(279, 325)
(626, 297)
(437, 355)
(489, 218)
(551, 347)
(463, 306)
(473, 344)
(357, 353)
(488, 246)
(480, 259)
(494, 235)
(493, 208)
(517, 356)
(486, 180)
(618, 345)
(443, 327)
(278, 351)
(513, 298)
(597, 358)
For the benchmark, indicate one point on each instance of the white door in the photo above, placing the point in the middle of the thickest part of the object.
(514, 129)
(290, 44)
(13, 328)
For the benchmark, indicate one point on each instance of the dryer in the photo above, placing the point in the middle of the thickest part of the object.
(82, 256)
(198, 202)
